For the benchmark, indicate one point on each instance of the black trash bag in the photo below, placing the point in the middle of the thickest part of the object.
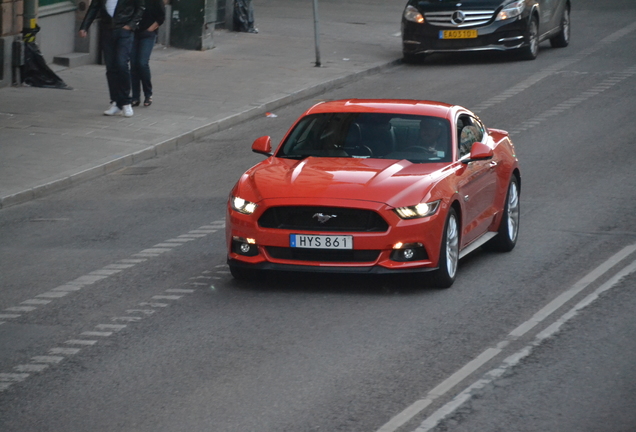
(244, 16)
(35, 72)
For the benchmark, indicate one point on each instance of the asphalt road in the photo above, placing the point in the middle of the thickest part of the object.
(138, 325)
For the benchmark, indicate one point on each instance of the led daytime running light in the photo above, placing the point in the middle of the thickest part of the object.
(417, 211)
(243, 206)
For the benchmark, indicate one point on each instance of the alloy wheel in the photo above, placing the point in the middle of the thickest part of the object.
(513, 211)
(452, 246)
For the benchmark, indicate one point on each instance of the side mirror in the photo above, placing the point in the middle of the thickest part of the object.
(263, 145)
(479, 151)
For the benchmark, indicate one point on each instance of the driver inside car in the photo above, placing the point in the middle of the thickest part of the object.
(432, 137)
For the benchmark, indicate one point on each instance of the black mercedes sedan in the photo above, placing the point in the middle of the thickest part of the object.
(437, 26)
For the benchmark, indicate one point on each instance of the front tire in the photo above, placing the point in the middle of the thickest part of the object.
(531, 51)
(445, 275)
(506, 237)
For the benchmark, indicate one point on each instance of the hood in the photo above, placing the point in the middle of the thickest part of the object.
(392, 182)
(441, 5)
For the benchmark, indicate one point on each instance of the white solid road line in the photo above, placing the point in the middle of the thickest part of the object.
(444, 387)
(512, 360)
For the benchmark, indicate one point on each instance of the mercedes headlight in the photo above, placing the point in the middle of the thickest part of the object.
(511, 10)
(418, 211)
(412, 14)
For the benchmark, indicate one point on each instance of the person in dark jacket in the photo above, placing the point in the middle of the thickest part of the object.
(145, 38)
(119, 20)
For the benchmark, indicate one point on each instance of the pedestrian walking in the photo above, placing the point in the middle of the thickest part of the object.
(145, 38)
(244, 16)
(119, 20)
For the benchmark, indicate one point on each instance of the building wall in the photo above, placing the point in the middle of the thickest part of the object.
(11, 17)
(11, 12)
(57, 30)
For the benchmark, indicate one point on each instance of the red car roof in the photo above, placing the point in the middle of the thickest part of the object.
(395, 106)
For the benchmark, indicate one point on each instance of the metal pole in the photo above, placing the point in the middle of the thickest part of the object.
(30, 19)
(316, 33)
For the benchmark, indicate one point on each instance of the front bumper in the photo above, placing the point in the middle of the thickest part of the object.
(373, 253)
(374, 269)
(497, 36)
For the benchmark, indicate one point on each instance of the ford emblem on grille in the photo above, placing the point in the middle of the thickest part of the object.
(458, 17)
(322, 218)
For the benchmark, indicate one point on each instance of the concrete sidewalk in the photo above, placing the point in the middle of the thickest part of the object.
(51, 139)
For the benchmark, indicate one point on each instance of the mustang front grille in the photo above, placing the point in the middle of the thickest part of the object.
(323, 219)
(323, 255)
(459, 19)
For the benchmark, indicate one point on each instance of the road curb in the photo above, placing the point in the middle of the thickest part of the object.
(182, 140)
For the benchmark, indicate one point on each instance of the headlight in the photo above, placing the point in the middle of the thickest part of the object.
(412, 14)
(418, 211)
(242, 206)
(511, 10)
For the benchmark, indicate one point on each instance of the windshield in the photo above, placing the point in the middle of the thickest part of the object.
(369, 135)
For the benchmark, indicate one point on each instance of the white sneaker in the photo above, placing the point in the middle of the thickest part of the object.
(127, 111)
(113, 110)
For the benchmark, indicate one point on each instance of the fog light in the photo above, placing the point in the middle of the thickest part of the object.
(408, 252)
(246, 247)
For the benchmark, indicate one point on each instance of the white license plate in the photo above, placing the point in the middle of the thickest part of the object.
(321, 241)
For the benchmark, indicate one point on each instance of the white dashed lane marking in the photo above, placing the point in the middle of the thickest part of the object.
(573, 102)
(105, 272)
(67, 288)
(80, 342)
(166, 297)
(39, 364)
(53, 294)
(31, 367)
(113, 327)
(13, 377)
(97, 275)
(64, 351)
(47, 359)
(556, 67)
(36, 301)
(129, 319)
(96, 333)
(134, 315)
(21, 309)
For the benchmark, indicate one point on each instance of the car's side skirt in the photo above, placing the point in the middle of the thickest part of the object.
(477, 243)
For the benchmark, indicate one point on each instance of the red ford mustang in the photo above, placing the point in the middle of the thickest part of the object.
(376, 186)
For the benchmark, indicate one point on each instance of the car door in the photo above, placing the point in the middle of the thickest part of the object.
(478, 180)
(549, 18)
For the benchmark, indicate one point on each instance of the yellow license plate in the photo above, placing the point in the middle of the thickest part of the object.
(457, 34)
